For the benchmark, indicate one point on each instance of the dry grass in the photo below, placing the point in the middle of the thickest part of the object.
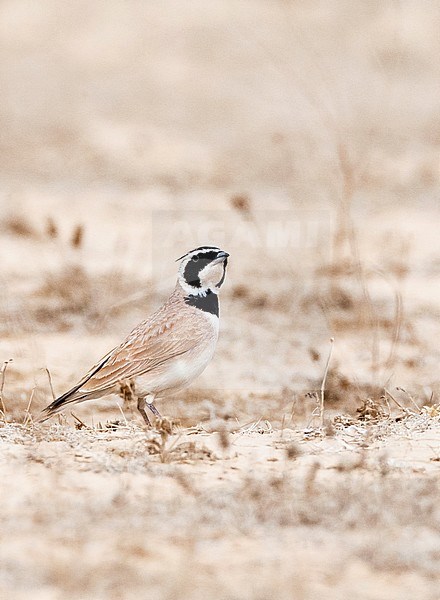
(122, 505)
(244, 480)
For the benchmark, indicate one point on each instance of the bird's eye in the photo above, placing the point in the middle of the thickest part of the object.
(195, 258)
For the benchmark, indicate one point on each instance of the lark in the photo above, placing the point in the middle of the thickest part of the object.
(167, 351)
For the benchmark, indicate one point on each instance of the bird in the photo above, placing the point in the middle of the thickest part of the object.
(168, 350)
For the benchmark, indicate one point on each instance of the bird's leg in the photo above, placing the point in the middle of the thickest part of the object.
(154, 410)
(141, 408)
(151, 406)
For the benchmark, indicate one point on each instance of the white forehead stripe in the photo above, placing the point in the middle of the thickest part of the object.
(202, 250)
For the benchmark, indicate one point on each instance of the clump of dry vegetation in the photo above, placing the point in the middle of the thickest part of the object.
(73, 297)
(16, 225)
(364, 500)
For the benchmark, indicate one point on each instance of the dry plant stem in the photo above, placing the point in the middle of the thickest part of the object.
(324, 379)
(2, 384)
(283, 424)
(397, 403)
(346, 236)
(122, 413)
(28, 416)
(398, 320)
(167, 451)
(249, 427)
(350, 171)
(388, 405)
(413, 402)
(49, 376)
(362, 277)
(82, 424)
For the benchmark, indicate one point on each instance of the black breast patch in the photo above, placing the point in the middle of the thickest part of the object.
(208, 303)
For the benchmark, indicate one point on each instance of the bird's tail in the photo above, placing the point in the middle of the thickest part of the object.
(59, 404)
(75, 394)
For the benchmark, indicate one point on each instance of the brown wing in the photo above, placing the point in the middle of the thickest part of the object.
(148, 347)
(171, 331)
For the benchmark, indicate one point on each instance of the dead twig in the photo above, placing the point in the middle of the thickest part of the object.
(324, 379)
(397, 403)
(49, 376)
(121, 410)
(2, 385)
(80, 424)
(28, 416)
(413, 402)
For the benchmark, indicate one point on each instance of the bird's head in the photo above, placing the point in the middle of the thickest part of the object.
(203, 270)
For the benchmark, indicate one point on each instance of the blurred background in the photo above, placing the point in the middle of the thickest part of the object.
(302, 136)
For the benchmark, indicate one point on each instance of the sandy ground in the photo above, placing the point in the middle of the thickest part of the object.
(250, 514)
(303, 137)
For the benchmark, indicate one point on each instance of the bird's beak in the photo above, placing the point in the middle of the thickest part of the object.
(221, 256)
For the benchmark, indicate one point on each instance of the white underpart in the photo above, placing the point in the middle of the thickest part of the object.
(181, 371)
